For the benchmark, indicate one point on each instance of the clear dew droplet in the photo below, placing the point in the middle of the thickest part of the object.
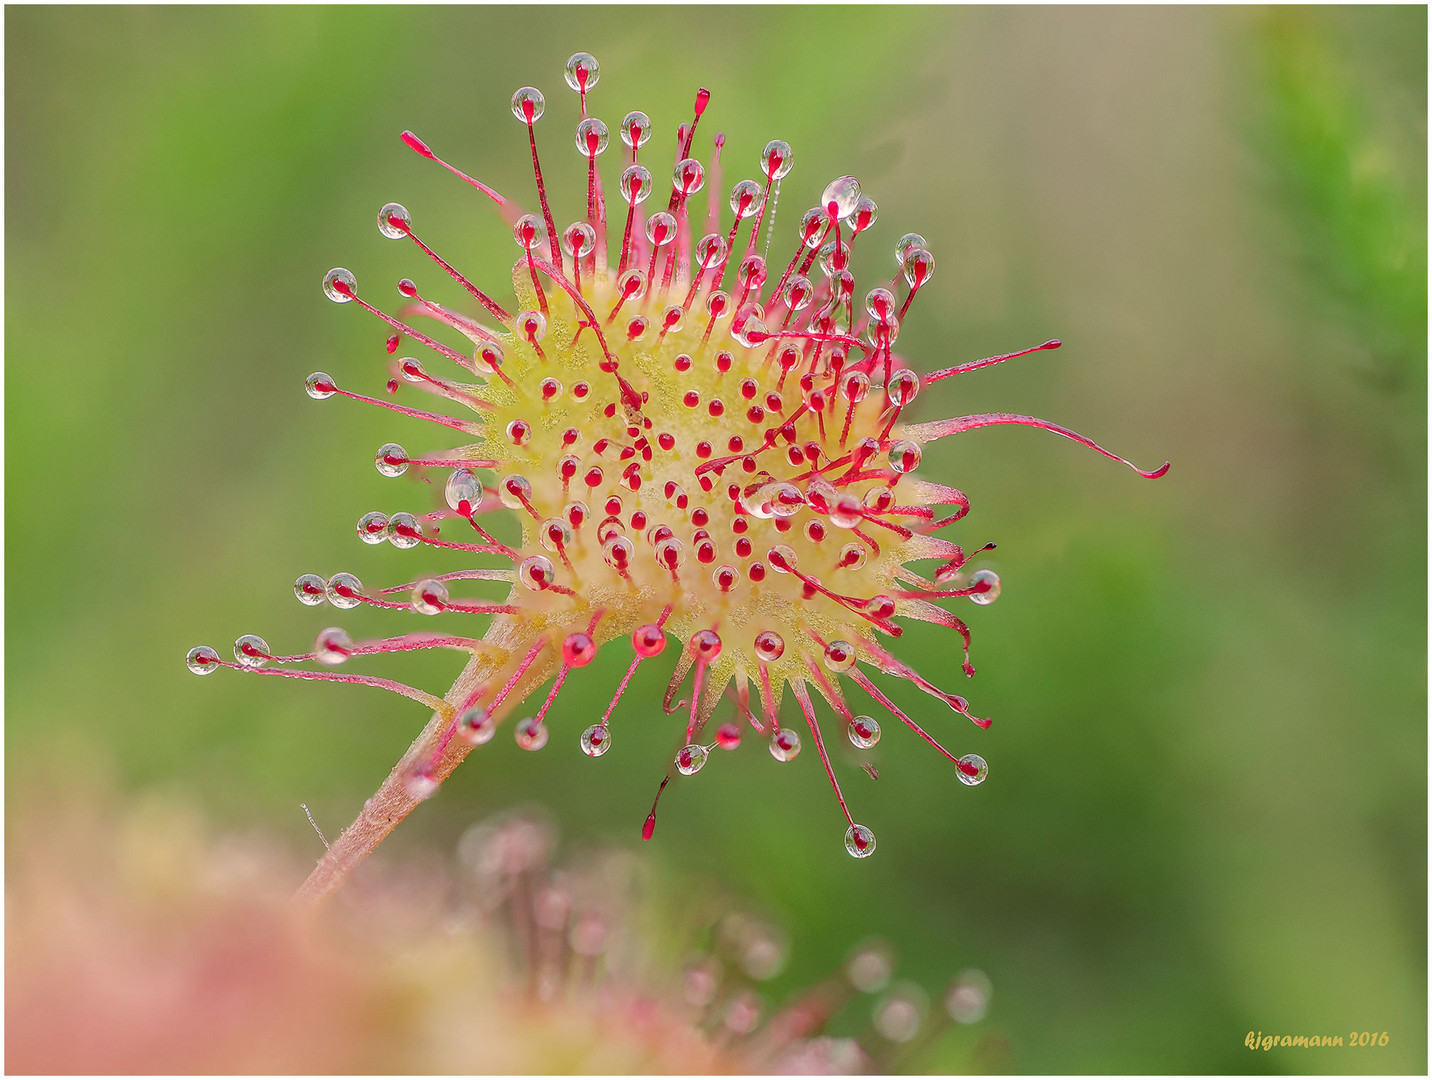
(705, 646)
(777, 159)
(670, 553)
(515, 491)
(747, 196)
(813, 227)
(373, 527)
(202, 660)
(555, 534)
(751, 274)
(855, 387)
(879, 499)
(786, 499)
(489, 356)
(989, 595)
(881, 607)
(864, 214)
(636, 129)
(333, 646)
(420, 783)
(617, 551)
(688, 177)
(429, 597)
(596, 741)
(785, 745)
(769, 646)
(673, 318)
(463, 489)
(578, 239)
(632, 283)
(529, 232)
(336, 281)
(528, 104)
(475, 726)
(904, 385)
(535, 572)
(404, 531)
(532, 325)
(251, 651)
(882, 333)
(834, 258)
(783, 558)
(310, 589)
(582, 72)
(391, 460)
(863, 732)
(635, 183)
(853, 556)
(710, 250)
(578, 649)
(394, 221)
(592, 137)
(919, 267)
(345, 591)
(844, 193)
(845, 512)
(981, 770)
(904, 456)
(798, 293)
(661, 228)
(648, 639)
(530, 733)
(321, 385)
(880, 303)
(905, 244)
(839, 656)
(691, 759)
(748, 329)
(859, 841)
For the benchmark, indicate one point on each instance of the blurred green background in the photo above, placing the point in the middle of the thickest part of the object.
(1207, 805)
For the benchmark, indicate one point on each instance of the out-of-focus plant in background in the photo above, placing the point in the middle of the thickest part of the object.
(139, 942)
(1206, 805)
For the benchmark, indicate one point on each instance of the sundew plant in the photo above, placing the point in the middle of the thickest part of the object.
(697, 416)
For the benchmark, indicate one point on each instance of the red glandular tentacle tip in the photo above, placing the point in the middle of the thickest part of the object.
(649, 826)
(975, 365)
(938, 429)
(412, 142)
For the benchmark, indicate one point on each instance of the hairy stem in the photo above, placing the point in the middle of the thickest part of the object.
(392, 802)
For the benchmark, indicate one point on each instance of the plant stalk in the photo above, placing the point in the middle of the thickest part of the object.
(392, 802)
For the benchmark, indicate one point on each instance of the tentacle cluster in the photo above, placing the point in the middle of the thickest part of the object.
(699, 443)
